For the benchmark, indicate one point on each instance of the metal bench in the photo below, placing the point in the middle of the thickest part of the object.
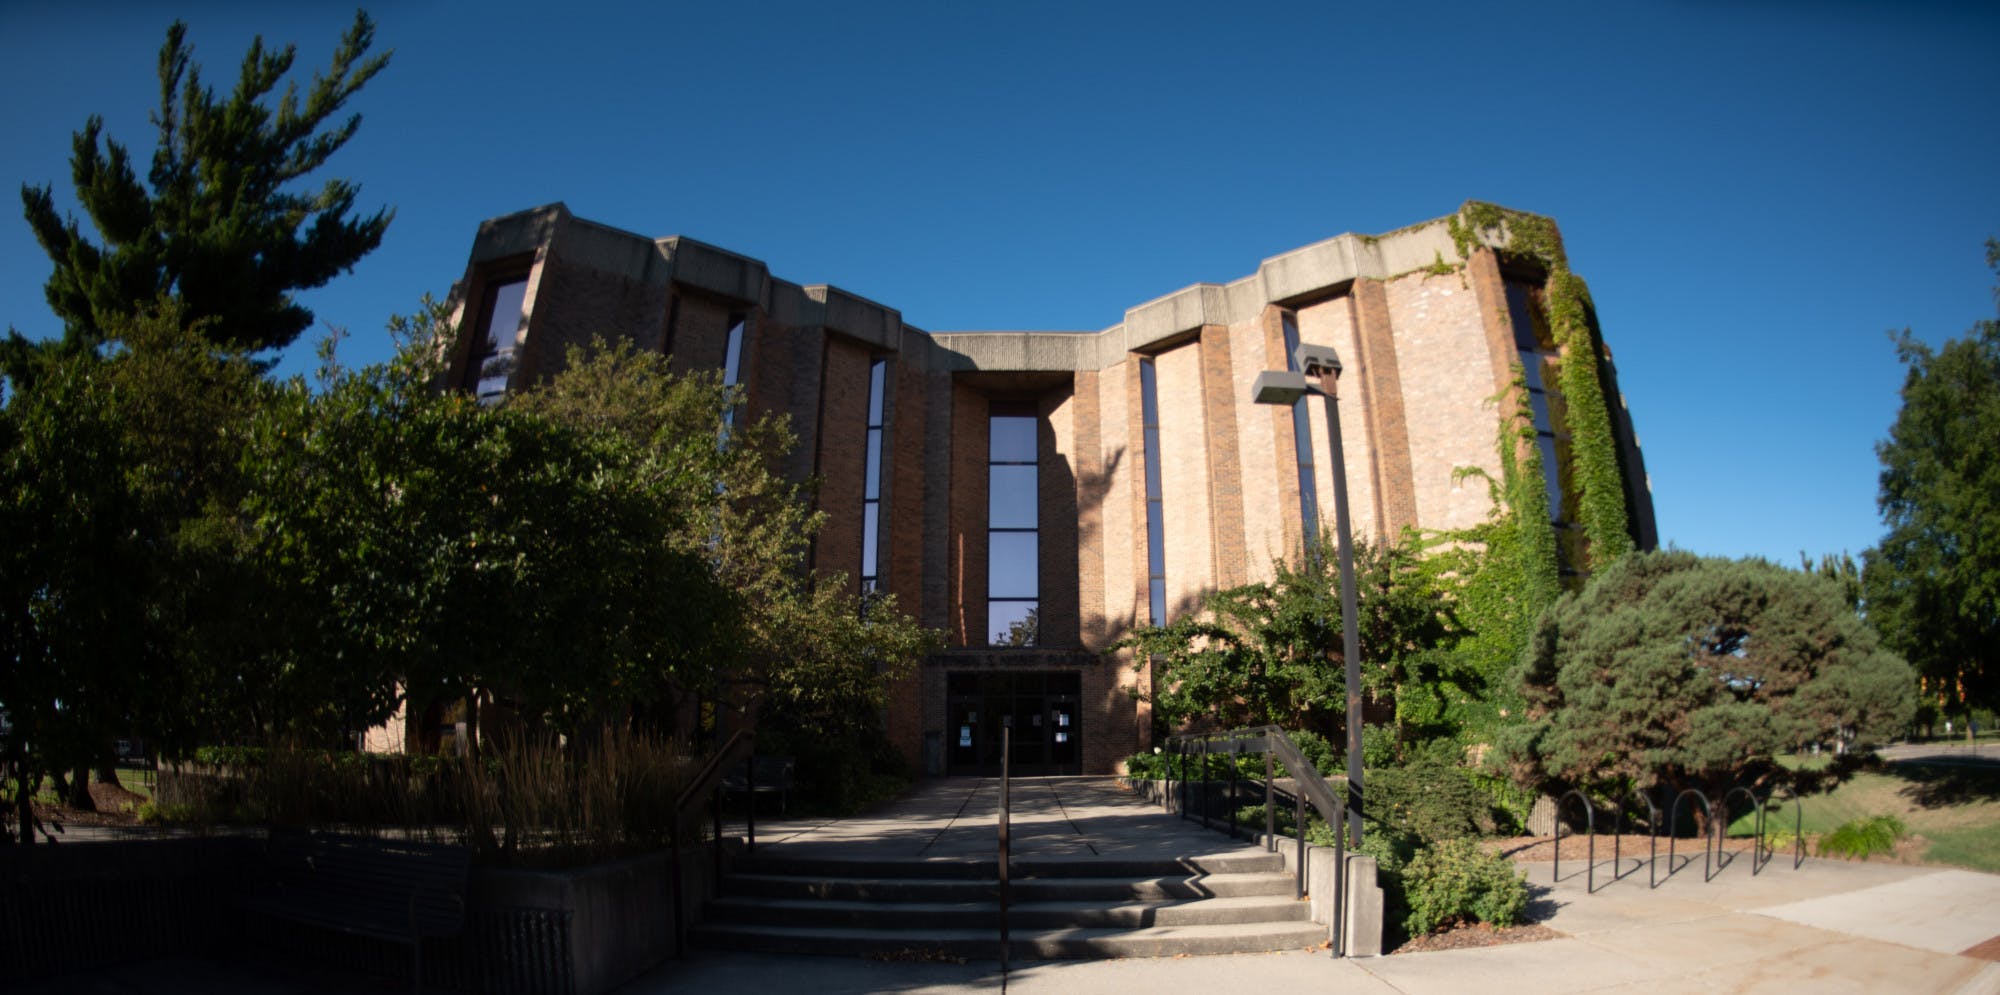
(773, 775)
(386, 889)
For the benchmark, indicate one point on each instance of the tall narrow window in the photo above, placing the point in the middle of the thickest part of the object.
(1539, 363)
(732, 364)
(1302, 440)
(1013, 547)
(491, 363)
(1156, 525)
(871, 487)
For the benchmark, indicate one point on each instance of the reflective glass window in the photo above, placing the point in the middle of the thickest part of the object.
(1013, 622)
(1013, 544)
(732, 364)
(871, 485)
(1012, 439)
(490, 366)
(1011, 565)
(1539, 356)
(1156, 529)
(1010, 500)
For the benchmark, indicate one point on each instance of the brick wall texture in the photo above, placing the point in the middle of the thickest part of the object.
(1424, 354)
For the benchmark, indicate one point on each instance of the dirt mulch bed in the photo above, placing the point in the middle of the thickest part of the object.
(1478, 934)
(1542, 848)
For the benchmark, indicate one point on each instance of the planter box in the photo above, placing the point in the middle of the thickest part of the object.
(584, 930)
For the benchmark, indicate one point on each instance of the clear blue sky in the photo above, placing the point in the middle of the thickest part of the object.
(1756, 191)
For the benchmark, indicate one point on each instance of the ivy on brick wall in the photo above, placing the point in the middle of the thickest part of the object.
(1504, 572)
(1601, 509)
(1593, 447)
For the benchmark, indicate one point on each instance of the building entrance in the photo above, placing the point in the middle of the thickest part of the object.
(1043, 707)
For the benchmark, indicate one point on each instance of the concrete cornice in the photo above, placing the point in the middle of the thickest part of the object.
(1313, 272)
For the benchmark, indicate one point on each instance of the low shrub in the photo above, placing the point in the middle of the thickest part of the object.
(1784, 841)
(1429, 795)
(1147, 766)
(1863, 838)
(1158, 765)
(1455, 881)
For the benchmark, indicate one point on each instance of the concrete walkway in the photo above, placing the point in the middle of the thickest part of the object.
(1828, 926)
(1053, 818)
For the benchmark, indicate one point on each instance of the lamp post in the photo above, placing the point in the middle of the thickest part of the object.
(1283, 387)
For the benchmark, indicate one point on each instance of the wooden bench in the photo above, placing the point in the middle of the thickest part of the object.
(387, 889)
(774, 776)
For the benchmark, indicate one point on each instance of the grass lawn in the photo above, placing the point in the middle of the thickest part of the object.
(139, 782)
(1955, 807)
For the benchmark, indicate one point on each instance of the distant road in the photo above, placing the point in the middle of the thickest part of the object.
(1985, 752)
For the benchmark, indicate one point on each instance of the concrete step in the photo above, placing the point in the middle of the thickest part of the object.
(985, 915)
(1055, 889)
(1246, 862)
(1025, 943)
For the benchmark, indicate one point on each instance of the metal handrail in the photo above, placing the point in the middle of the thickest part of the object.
(741, 747)
(1272, 740)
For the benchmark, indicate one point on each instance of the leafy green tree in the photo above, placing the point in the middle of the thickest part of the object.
(220, 221)
(430, 548)
(1933, 584)
(1268, 652)
(184, 408)
(811, 656)
(1679, 671)
(113, 585)
(70, 607)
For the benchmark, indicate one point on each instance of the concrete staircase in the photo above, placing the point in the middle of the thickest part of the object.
(1074, 907)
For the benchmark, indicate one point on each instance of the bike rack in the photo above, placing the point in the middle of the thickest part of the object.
(1590, 827)
(1673, 827)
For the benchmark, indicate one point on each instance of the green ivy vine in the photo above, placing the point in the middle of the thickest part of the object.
(1601, 509)
(1505, 571)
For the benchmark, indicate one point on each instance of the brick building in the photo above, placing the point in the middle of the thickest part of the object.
(1054, 489)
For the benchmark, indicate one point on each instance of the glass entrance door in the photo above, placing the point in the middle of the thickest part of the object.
(1043, 708)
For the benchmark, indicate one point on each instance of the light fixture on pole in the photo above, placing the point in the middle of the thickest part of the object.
(1319, 373)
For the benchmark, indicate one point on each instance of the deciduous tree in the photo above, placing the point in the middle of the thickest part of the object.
(1268, 652)
(1933, 584)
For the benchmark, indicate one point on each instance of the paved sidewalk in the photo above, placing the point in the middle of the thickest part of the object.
(1828, 926)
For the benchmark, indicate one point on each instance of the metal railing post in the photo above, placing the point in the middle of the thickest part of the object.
(674, 877)
(1181, 756)
(1206, 786)
(1299, 824)
(1006, 817)
(1270, 806)
(1229, 803)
